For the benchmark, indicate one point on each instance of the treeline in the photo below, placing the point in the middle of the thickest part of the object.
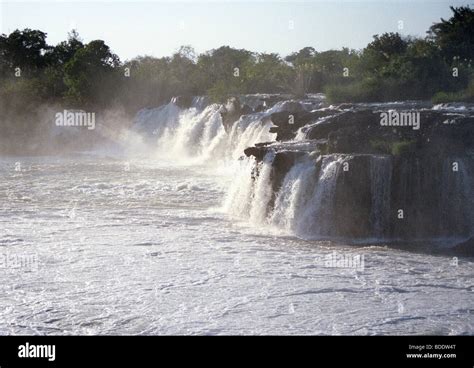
(82, 75)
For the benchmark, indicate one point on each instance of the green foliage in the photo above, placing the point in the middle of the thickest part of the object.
(65, 50)
(395, 148)
(365, 90)
(385, 47)
(466, 95)
(391, 67)
(455, 36)
(267, 73)
(23, 49)
(88, 74)
(403, 147)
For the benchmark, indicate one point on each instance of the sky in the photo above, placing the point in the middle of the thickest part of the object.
(159, 28)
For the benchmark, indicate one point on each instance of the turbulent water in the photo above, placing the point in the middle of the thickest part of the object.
(172, 237)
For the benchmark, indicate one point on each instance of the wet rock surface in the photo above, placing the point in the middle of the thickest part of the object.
(388, 183)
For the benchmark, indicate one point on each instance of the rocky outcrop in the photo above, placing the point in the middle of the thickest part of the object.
(261, 102)
(288, 122)
(397, 173)
(390, 184)
(232, 111)
(362, 132)
(464, 248)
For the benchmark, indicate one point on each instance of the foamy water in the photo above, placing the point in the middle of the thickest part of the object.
(166, 232)
(109, 246)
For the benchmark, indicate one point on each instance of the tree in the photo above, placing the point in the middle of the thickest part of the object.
(455, 36)
(382, 49)
(221, 71)
(65, 50)
(268, 73)
(182, 70)
(302, 56)
(305, 72)
(150, 83)
(24, 49)
(91, 72)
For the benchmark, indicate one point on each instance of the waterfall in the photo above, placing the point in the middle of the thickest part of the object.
(251, 191)
(295, 193)
(297, 190)
(380, 187)
(316, 199)
(247, 131)
(193, 132)
(318, 214)
(262, 192)
(304, 204)
(240, 193)
(153, 122)
(198, 133)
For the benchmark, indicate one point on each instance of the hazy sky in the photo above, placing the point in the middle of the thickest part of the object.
(159, 27)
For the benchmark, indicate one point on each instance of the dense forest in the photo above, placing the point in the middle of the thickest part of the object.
(74, 74)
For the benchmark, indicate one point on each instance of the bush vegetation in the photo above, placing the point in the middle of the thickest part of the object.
(74, 74)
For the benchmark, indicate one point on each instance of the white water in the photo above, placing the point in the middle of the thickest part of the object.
(148, 251)
(155, 246)
(303, 205)
(198, 134)
(296, 189)
(303, 201)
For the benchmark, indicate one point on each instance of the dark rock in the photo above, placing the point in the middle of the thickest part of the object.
(391, 168)
(465, 248)
(258, 152)
(260, 108)
(345, 106)
(287, 123)
(246, 109)
(232, 111)
(183, 102)
(361, 132)
(435, 200)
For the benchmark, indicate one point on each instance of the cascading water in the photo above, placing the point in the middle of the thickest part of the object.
(137, 245)
(317, 199)
(318, 214)
(262, 191)
(313, 197)
(296, 191)
(304, 205)
(198, 132)
(247, 131)
(250, 193)
(380, 186)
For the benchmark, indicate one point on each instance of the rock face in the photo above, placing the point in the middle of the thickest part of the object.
(358, 179)
(465, 248)
(287, 123)
(360, 131)
(286, 128)
(231, 112)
